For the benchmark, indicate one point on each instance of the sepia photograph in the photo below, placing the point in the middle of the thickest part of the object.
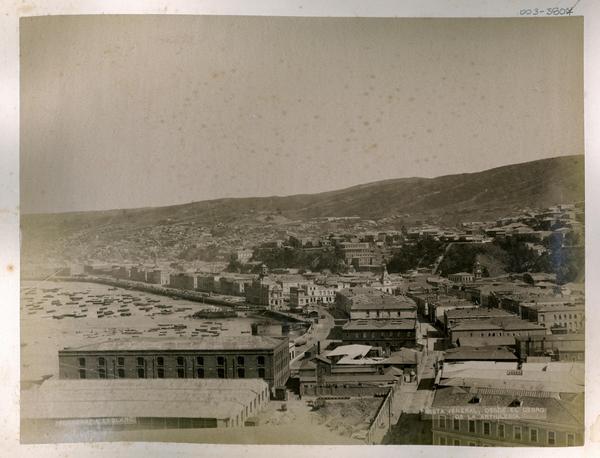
(282, 230)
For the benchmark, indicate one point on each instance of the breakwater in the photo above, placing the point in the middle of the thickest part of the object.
(195, 296)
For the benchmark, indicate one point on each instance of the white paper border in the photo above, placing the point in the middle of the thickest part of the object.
(9, 205)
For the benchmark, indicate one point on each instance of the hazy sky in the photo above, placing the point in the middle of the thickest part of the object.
(131, 111)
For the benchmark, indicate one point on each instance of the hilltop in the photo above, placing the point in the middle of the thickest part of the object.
(444, 200)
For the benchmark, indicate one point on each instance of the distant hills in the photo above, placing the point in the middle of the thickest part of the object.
(446, 200)
(530, 184)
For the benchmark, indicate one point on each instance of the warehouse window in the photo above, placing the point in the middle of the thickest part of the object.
(551, 438)
(101, 373)
(517, 432)
(180, 361)
(121, 373)
(486, 428)
(160, 372)
(240, 360)
(120, 361)
(82, 373)
(501, 430)
(160, 361)
(101, 362)
(570, 439)
(261, 372)
(442, 440)
(221, 372)
(442, 421)
(260, 360)
(81, 362)
(141, 369)
(200, 372)
(471, 426)
(241, 372)
(200, 361)
(533, 435)
(456, 424)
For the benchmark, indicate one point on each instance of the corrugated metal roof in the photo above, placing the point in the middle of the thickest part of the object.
(192, 344)
(189, 398)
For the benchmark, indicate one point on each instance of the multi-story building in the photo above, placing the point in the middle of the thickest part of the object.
(391, 334)
(344, 297)
(118, 272)
(461, 277)
(561, 424)
(568, 347)
(138, 274)
(232, 286)
(360, 254)
(212, 357)
(158, 277)
(453, 317)
(484, 403)
(311, 294)
(242, 256)
(208, 283)
(560, 317)
(183, 281)
(438, 306)
(493, 327)
(264, 291)
(381, 306)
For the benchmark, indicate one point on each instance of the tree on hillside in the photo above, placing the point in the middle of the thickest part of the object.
(423, 253)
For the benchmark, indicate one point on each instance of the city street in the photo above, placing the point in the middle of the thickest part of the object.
(318, 333)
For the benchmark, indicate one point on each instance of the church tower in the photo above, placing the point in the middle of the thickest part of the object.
(264, 271)
(385, 277)
(477, 270)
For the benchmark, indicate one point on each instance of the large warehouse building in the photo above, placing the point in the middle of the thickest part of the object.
(240, 357)
(78, 405)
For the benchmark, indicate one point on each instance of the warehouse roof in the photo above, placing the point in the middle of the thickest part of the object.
(488, 353)
(192, 344)
(189, 398)
(462, 313)
(550, 377)
(506, 324)
(382, 301)
(558, 411)
(380, 325)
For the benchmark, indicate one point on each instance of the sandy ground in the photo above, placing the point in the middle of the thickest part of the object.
(347, 419)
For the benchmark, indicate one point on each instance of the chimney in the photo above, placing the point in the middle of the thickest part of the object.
(318, 347)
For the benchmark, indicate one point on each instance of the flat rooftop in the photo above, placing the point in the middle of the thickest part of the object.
(497, 323)
(380, 325)
(382, 301)
(552, 338)
(553, 376)
(248, 343)
(472, 312)
(562, 411)
(189, 398)
(480, 353)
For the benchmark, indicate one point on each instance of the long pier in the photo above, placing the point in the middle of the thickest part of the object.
(195, 296)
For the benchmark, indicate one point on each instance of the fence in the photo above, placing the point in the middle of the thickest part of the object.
(382, 421)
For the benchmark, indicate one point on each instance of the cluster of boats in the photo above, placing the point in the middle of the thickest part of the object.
(59, 304)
